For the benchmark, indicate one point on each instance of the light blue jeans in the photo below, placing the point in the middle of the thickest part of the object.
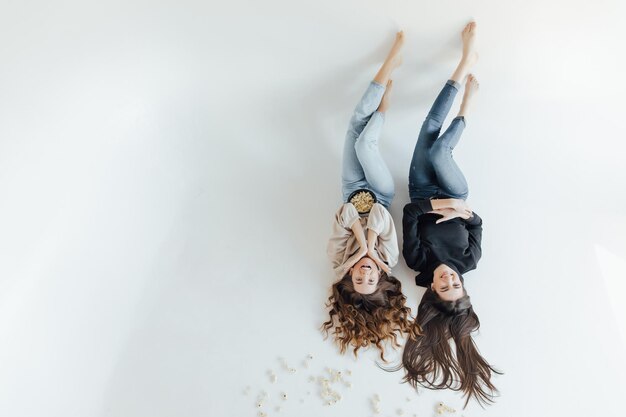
(433, 172)
(363, 166)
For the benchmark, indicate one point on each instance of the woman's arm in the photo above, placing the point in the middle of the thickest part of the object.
(382, 240)
(411, 245)
(344, 220)
(351, 261)
(359, 234)
(456, 204)
(449, 214)
(372, 238)
(474, 227)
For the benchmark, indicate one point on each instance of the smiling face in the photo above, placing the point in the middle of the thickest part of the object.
(365, 275)
(447, 283)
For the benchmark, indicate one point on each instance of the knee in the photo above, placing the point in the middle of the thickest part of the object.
(391, 191)
(364, 144)
(438, 151)
(458, 190)
(433, 122)
(431, 129)
(387, 196)
(384, 188)
(356, 124)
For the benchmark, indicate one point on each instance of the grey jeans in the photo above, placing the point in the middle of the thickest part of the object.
(363, 166)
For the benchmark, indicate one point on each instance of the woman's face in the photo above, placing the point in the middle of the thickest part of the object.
(447, 283)
(365, 275)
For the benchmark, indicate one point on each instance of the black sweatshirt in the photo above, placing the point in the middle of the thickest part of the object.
(426, 244)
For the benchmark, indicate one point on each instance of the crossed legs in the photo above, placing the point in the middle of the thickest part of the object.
(363, 166)
(433, 171)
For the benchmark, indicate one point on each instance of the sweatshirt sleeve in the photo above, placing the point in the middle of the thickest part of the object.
(380, 221)
(411, 248)
(341, 233)
(474, 226)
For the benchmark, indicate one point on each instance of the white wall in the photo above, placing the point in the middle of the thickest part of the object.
(169, 169)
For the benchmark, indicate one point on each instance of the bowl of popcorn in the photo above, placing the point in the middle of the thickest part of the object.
(363, 200)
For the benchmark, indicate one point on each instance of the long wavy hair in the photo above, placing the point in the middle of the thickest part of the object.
(360, 320)
(428, 359)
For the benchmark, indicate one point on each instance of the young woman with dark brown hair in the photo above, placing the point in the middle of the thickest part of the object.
(366, 304)
(442, 241)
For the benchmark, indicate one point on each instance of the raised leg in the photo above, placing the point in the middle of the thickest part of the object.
(450, 179)
(471, 87)
(439, 111)
(374, 167)
(368, 104)
(353, 175)
(423, 181)
(393, 60)
(449, 176)
(425, 174)
(441, 106)
(469, 56)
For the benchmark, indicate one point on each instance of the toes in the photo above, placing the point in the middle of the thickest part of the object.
(469, 27)
(472, 81)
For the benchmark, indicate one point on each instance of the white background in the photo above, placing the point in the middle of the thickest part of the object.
(169, 171)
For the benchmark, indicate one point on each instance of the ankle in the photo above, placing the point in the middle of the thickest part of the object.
(463, 111)
(465, 59)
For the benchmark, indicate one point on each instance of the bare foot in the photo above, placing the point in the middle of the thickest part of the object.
(470, 56)
(471, 88)
(394, 57)
(384, 102)
(468, 35)
(393, 60)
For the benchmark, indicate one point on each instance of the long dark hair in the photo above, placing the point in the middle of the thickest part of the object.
(428, 359)
(360, 320)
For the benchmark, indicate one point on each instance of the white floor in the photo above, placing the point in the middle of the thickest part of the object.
(169, 169)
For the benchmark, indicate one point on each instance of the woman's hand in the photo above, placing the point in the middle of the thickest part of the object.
(461, 206)
(449, 214)
(456, 204)
(373, 255)
(356, 257)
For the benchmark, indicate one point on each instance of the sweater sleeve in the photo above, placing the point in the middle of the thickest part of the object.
(411, 248)
(474, 226)
(380, 221)
(341, 233)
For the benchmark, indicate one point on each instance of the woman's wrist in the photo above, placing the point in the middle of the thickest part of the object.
(372, 237)
(442, 203)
